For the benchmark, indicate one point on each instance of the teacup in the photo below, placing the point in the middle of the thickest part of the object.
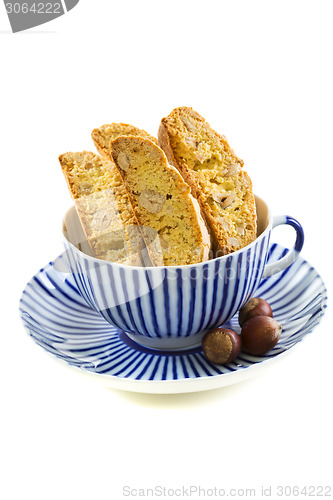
(172, 307)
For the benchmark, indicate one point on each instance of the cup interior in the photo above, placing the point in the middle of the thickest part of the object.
(263, 215)
(74, 234)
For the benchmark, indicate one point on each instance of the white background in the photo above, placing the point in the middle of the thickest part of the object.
(260, 72)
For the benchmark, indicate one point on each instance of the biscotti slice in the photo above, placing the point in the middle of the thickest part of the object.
(103, 207)
(103, 135)
(162, 201)
(215, 174)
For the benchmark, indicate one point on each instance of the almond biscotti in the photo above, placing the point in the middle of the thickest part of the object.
(103, 207)
(161, 200)
(103, 135)
(215, 174)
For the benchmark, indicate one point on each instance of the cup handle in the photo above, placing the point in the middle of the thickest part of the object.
(292, 254)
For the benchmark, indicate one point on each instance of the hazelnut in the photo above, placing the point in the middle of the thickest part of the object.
(221, 345)
(190, 126)
(224, 199)
(231, 169)
(240, 228)
(102, 220)
(123, 161)
(233, 242)
(151, 201)
(223, 223)
(260, 334)
(191, 142)
(254, 307)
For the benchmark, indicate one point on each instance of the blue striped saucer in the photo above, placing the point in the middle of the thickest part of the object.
(60, 321)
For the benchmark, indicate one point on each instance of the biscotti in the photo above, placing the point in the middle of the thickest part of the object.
(216, 176)
(161, 200)
(103, 207)
(103, 135)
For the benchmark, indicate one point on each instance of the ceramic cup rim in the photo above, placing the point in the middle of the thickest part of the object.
(183, 266)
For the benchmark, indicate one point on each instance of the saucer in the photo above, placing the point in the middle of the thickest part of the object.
(60, 321)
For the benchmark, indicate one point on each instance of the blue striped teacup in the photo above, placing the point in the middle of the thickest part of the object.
(172, 307)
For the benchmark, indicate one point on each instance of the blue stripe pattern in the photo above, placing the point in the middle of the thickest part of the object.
(170, 302)
(59, 319)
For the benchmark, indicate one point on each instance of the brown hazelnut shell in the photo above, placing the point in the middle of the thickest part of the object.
(254, 307)
(260, 334)
(221, 345)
